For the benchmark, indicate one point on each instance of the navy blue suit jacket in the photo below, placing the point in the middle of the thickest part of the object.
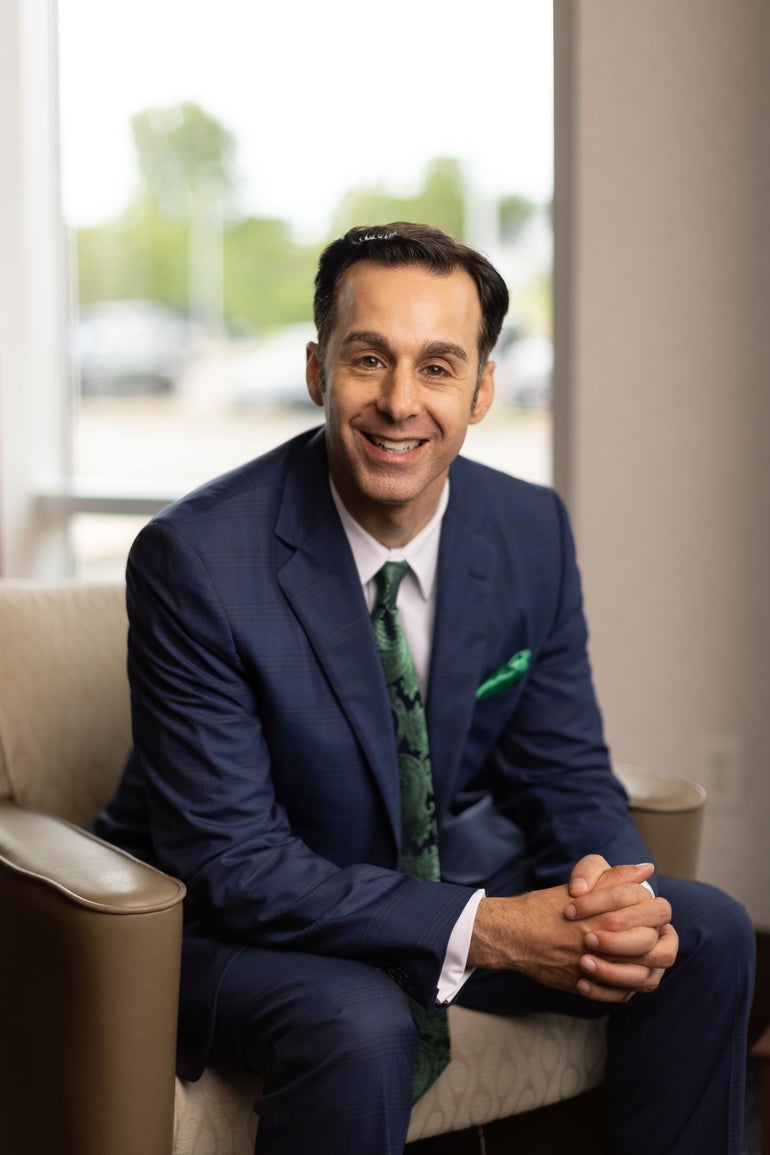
(264, 768)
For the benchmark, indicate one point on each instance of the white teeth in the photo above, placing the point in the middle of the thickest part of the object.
(395, 446)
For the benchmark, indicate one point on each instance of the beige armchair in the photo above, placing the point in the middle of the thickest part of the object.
(90, 938)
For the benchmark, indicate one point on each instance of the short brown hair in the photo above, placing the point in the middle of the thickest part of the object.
(404, 243)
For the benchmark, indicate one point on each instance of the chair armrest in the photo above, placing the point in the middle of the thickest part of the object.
(668, 813)
(90, 942)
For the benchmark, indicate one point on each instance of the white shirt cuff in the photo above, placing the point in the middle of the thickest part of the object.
(455, 971)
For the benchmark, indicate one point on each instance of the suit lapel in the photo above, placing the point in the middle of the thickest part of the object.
(466, 575)
(321, 583)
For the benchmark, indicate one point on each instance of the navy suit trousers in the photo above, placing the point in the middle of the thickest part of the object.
(335, 1042)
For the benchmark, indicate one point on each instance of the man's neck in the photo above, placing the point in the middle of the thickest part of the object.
(393, 526)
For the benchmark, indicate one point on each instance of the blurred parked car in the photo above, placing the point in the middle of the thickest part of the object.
(272, 372)
(524, 369)
(129, 347)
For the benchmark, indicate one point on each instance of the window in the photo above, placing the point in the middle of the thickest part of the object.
(207, 154)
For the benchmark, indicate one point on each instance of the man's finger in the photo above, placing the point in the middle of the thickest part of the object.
(637, 942)
(631, 976)
(586, 873)
(593, 872)
(619, 899)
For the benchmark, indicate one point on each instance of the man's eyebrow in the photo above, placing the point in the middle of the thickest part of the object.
(430, 349)
(365, 337)
(444, 349)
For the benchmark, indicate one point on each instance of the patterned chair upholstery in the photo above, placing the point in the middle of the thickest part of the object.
(89, 947)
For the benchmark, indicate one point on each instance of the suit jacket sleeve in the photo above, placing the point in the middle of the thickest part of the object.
(205, 770)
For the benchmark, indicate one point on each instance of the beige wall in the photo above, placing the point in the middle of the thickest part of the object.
(663, 406)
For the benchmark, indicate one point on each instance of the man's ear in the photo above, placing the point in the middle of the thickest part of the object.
(484, 394)
(314, 373)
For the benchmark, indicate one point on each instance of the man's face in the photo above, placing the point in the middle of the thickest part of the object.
(397, 385)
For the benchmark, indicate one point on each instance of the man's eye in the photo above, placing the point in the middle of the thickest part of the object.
(368, 361)
(435, 370)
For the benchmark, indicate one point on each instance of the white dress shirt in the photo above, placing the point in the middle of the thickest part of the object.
(416, 603)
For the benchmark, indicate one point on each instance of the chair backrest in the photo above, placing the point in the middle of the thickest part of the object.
(65, 726)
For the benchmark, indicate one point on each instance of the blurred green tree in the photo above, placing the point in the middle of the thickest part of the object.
(439, 201)
(268, 277)
(183, 155)
(186, 160)
(142, 254)
(513, 213)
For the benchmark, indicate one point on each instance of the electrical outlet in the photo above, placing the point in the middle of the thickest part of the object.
(723, 769)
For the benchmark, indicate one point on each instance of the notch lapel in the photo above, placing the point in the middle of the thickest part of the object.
(466, 577)
(321, 583)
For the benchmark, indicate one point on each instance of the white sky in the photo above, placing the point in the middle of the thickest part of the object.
(321, 94)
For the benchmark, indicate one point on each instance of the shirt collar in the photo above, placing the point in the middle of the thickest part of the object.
(421, 552)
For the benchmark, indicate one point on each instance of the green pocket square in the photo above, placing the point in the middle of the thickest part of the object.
(508, 674)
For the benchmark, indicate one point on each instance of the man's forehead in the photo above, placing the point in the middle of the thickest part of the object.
(370, 279)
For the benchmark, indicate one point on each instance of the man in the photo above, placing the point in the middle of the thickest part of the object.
(336, 861)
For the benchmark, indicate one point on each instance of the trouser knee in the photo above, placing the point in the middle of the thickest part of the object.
(300, 1014)
(716, 943)
(709, 921)
(367, 1023)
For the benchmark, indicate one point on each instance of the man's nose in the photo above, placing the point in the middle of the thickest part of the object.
(398, 397)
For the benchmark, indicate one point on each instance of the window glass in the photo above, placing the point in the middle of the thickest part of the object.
(208, 153)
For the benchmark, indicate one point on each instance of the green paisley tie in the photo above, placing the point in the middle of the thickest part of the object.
(419, 853)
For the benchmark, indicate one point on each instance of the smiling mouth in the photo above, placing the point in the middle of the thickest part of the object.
(393, 446)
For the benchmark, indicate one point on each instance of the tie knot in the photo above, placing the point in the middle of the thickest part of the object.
(388, 580)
